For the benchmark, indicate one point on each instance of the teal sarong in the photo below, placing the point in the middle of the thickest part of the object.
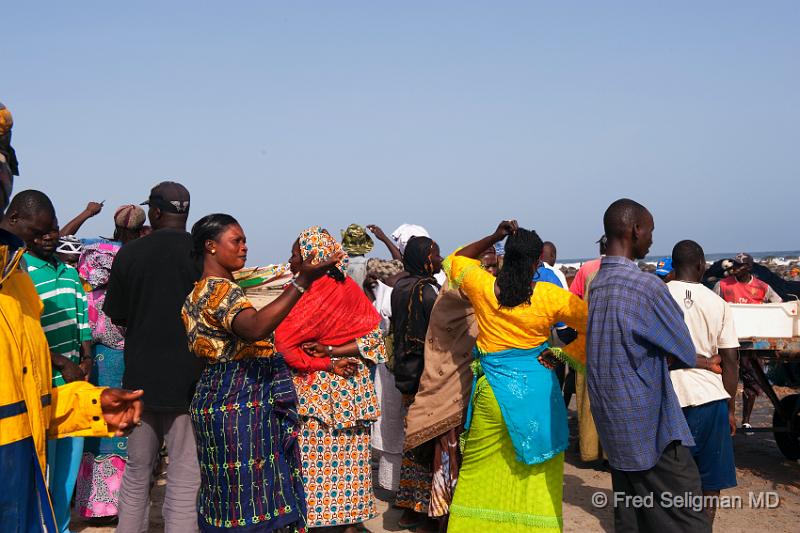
(530, 400)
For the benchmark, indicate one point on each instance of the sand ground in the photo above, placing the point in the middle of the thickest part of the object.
(759, 464)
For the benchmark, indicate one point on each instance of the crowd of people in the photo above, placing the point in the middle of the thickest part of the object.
(447, 380)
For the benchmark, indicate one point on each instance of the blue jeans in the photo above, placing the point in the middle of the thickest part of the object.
(63, 461)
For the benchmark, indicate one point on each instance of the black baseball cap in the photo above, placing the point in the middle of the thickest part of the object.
(169, 196)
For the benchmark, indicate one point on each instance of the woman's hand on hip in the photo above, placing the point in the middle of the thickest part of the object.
(548, 360)
(315, 349)
(345, 367)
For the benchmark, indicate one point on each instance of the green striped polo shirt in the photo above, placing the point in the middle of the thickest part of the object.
(65, 319)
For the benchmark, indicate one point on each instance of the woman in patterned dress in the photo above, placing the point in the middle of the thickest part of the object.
(333, 324)
(244, 408)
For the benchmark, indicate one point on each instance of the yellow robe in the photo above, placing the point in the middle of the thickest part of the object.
(29, 405)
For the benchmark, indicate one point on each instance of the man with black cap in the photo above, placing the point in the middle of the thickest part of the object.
(742, 287)
(150, 279)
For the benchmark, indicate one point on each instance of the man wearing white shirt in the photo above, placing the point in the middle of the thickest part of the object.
(705, 394)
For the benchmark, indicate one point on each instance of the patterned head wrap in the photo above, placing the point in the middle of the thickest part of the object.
(129, 217)
(6, 150)
(318, 239)
(356, 241)
(6, 120)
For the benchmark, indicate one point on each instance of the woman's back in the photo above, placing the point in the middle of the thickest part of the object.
(524, 326)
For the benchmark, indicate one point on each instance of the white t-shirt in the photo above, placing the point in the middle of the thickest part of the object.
(710, 324)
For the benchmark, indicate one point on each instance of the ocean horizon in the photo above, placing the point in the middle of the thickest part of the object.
(780, 255)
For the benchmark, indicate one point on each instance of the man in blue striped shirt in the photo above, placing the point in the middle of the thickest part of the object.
(636, 334)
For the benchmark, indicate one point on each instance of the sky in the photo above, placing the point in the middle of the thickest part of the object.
(452, 115)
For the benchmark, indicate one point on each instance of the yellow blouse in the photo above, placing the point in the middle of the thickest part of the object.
(208, 315)
(524, 326)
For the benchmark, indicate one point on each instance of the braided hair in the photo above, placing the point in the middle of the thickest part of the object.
(522, 252)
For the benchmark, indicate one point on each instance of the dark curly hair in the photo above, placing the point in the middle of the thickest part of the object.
(210, 227)
(523, 249)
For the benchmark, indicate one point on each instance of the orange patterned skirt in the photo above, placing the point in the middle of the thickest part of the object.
(337, 474)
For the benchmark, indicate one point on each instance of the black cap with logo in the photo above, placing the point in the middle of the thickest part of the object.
(169, 196)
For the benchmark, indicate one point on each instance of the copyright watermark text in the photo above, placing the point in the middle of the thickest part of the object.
(687, 500)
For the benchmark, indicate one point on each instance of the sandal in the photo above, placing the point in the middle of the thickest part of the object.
(416, 520)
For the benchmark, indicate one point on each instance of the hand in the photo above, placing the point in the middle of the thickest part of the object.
(732, 422)
(548, 360)
(309, 271)
(345, 368)
(712, 364)
(315, 349)
(505, 228)
(72, 372)
(122, 409)
(86, 366)
(377, 231)
(94, 208)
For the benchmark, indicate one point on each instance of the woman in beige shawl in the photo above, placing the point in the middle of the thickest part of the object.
(437, 414)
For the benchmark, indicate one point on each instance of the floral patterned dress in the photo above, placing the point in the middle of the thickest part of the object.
(337, 415)
(244, 417)
(104, 459)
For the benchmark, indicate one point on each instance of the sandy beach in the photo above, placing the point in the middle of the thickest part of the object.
(760, 468)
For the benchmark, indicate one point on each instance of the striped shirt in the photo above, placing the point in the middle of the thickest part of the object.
(65, 319)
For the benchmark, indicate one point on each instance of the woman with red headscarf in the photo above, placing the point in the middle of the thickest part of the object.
(331, 339)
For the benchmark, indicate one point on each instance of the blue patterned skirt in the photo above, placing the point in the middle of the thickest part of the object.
(245, 419)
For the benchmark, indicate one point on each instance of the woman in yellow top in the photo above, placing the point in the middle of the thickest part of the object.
(517, 423)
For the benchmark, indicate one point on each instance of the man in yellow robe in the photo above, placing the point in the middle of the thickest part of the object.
(31, 410)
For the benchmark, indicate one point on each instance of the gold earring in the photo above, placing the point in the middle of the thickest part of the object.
(213, 252)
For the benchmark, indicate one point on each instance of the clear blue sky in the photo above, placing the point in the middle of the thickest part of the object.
(452, 115)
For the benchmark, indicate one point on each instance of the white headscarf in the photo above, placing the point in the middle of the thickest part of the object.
(404, 233)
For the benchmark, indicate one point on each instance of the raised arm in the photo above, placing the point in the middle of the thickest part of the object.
(474, 250)
(72, 227)
(381, 236)
(254, 325)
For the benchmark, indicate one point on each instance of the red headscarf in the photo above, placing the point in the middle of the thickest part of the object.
(330, 312)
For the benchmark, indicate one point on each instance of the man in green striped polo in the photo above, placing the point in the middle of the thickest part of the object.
(65, 322)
